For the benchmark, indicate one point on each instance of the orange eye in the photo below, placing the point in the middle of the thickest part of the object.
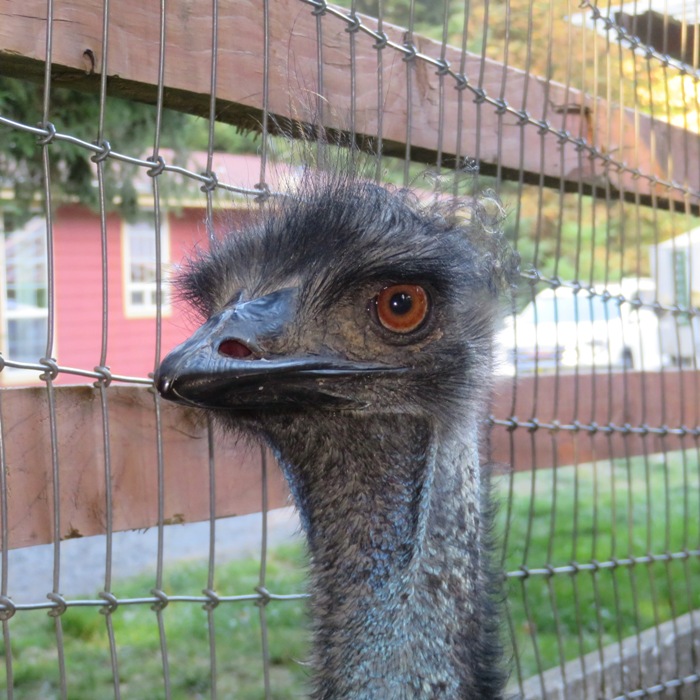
(402, 308)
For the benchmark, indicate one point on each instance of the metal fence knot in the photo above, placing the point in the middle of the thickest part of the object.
(354, 24)
(543, 127)
(462, 82)
(595, 11)
(501, 106)
(212, 181)
(264, 192)
(158, 166)
(7, 608)
(479, 95)
(563, 136)
(50, 133)
(320, 8)
(112, 603)
(382, 41)
(60, 604)
(105, 378)
(580, 144)
(162, 600)
(443, 67)
(213, 601)
(103, 154)
(532, 275)
(523, 117)
(52, 369)
(264, 594)
(410, 51)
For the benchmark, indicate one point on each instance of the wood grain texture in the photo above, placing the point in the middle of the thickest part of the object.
(26, 431)
(631, 398)
(652, 148)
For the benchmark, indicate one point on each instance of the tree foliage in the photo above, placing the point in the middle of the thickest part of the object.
(128, 126)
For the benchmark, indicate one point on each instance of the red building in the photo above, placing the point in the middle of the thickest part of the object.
(132, 341)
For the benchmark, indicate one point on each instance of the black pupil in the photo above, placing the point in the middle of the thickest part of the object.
(401, 303)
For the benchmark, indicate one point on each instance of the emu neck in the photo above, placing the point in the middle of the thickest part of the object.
(392, 516)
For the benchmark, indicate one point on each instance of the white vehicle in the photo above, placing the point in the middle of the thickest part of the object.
(564, 329)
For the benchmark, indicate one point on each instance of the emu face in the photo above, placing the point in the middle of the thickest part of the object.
(347, 298)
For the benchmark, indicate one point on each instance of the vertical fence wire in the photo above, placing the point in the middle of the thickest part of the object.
(8, 610)
(379, 47)
(50, 375)
(155, 172)
(410, 66)
(208, 190)
(211, 605)
(102, 384)
(262, 579)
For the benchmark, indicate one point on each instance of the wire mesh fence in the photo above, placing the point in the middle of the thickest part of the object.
(583, 117)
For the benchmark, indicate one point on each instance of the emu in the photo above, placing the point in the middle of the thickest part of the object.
(350, 329)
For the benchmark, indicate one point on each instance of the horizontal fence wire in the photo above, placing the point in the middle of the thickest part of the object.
(600, 542)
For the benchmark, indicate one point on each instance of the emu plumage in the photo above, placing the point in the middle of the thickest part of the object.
(375, 429)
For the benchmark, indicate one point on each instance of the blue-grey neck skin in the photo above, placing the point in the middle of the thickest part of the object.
(401, 605)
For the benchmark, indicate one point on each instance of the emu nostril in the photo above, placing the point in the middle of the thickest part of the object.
(234, 348)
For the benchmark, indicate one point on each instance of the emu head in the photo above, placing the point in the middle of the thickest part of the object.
(349, 297)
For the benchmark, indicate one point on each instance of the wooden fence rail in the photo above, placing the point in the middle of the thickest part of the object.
(622, 399)
(545, 130)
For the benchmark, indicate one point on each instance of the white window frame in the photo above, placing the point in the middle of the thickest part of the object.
(147, 308)
(13, 375)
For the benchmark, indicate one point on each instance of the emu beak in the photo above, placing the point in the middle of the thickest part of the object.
(222, 365)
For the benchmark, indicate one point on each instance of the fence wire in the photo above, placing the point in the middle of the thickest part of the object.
(595, 407)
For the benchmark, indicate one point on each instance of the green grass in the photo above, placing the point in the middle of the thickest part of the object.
(237, 637)
(601, 512)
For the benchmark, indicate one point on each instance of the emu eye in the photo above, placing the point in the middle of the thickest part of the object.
(402, 308)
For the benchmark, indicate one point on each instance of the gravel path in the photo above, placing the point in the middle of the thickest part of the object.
(30, 570)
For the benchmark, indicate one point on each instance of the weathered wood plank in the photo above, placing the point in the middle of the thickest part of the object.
(649, 148)
(25, 424)
(634, 399)
(616, 399)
